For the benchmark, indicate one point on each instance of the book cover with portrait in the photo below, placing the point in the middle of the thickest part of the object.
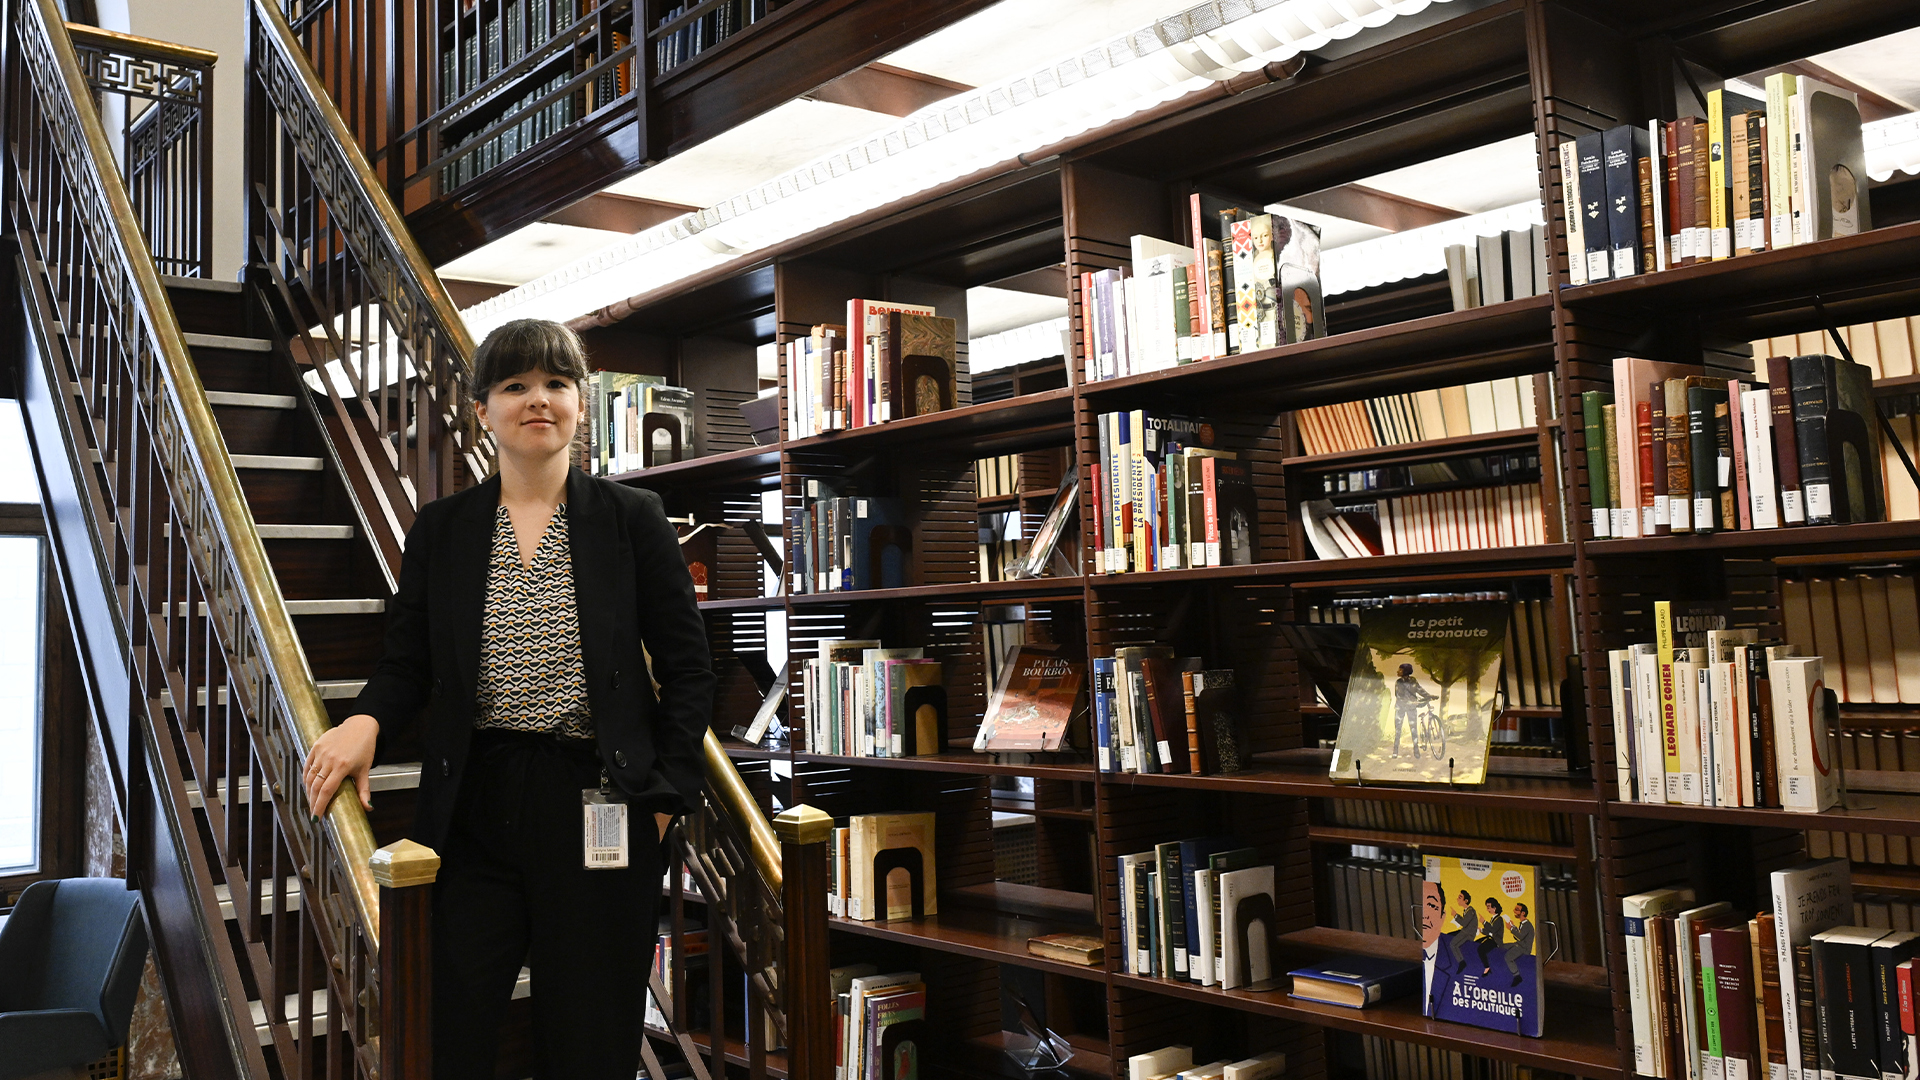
(1423, 694)
(1481, 945)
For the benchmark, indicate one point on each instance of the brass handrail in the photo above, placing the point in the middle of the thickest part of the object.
(226, 512)
(731, 788)
(393, 227)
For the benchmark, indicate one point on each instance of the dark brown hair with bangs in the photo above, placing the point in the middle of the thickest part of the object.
(525, 345)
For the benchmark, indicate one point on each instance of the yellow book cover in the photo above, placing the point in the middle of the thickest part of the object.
(894, 853)
(1480, 945)
(1669, 714)
(1423, 693)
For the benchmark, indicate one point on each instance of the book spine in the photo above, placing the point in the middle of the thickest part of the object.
(1592, 402)
(1593, 206)
(1718, 239)
(1739, 512)
(1649, 242)
(1786, 450)
(1771, 1016)
(1638, 988)
(1702, 438)
(1570, 201)
(1650, 441)
(1623, 202)
(1812, 398)
(1687, 220)
(1678, 243)
(1891, 1054)
(1806, 1012)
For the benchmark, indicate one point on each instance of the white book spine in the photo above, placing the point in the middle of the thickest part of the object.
(1643, 1048)
(1807, 783)
(1756, 408)
(1619, 690)
(1691, 718)
(1576, 233)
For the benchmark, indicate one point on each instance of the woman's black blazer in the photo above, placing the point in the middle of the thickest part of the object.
(633, 591)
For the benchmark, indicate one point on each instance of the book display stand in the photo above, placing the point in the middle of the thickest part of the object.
(1459, 75)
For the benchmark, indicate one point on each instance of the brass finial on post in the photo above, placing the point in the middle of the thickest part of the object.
(404, 871)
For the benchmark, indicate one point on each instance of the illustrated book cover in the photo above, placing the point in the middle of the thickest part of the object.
(1480, 945)
(1421, 700)
(1035, 701)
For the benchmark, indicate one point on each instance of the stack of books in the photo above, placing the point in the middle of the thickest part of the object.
(882, 1018)
(1167, 496)
(1708, 715)
(1179, 905)
(1481, 408)
(1401, 519)
(1248, 281)
(710, 29)
(880, 867)
(842, 542)
(509, 31)
(1157, 713)
(1378, 890)
(1754, 174)
(863, 700)
(889, 362)
(633, 422)
(1793, 991)
(1675, 448)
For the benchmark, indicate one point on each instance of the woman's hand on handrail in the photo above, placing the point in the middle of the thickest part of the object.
(342, 753)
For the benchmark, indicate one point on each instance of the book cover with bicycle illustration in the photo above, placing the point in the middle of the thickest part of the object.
(1423, 694)
(1482, 950)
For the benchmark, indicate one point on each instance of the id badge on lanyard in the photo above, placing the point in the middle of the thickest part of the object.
(604, 810)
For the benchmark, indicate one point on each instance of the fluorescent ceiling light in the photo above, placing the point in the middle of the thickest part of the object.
(1893, 145)
(1015, 36)
(1417, 252)
(1483, 178)
(949, 140)
(991, 310)
(528, 252)
(745, 155)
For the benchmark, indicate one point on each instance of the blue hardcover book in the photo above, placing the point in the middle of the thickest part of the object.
(882, 545)
(1356, 981)
(1193, 855)
(1103, 711)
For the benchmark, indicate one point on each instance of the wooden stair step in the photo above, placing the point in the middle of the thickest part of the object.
(295, 462)
(228, 342)
(366, 606)
(250, 401)
(404, 776)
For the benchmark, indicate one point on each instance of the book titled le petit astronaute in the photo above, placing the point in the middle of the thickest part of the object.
(1422, 697)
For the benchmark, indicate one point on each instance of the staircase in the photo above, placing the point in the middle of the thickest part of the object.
(229, 470)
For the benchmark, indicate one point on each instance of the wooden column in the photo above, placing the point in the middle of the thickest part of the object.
(406, 872)
(804, 833)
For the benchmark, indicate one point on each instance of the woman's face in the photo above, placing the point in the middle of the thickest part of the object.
(533, 414)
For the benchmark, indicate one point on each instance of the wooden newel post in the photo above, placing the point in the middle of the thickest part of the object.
(406, 872)
(804, 833)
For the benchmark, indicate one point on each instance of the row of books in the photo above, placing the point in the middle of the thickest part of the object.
(1494, 269)
(1464, 469)
(997, 477)
(1176, 1063)
(1674, 449)
(1880, 750)
(693, 955)
(861, 699)
(1167, 497)
(1434, 819)
(1154, 712)
(1752, 175)
(861, 881)
(1887, 347)
(1172, 901)
(1867, 626)
(1531, 674)
(635, 422)
(1795, 991)
(1451, 412)
(710, 29)
(889, 362)
(1729, 721)
(840, 542)
(881, 1022)
(1248, 281)
(1377, 891)
(1390, 1059)
(999, 545)
(1456, 519)
(1878, 849)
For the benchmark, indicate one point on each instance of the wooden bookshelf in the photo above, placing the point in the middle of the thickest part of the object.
(1435, 84)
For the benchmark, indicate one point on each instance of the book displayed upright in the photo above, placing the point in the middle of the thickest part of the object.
(1485, 964)
(1423, 694)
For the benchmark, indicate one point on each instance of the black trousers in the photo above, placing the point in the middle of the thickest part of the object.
(512, 890)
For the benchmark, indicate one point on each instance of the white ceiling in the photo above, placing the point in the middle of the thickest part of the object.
(1887, 66)
(528, 252)
(1017, 36)
(991, 310)
(754, 152)
(1471, 181)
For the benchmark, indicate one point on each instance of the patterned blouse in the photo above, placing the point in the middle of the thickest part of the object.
(531, 677)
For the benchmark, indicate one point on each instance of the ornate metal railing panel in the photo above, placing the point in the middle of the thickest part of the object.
(217, 669)
(373, 325)
(746, 910)
(164, 93)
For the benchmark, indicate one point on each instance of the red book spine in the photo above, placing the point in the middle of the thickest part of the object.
(1786, 451)
(1672, 206)
(1199, 285)
(1733, 987)
(1652, 433)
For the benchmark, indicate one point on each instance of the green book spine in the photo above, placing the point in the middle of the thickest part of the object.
(1592, 402)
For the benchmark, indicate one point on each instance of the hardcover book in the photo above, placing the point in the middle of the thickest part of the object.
(890, 867)
(1482, 955)
(1356, 981)
(928, 379)
(1030, 709)
(1421, 700)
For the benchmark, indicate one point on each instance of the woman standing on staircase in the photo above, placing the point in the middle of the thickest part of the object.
(523, 608)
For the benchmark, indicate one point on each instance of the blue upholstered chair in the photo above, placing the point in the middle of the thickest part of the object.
(70, 961)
